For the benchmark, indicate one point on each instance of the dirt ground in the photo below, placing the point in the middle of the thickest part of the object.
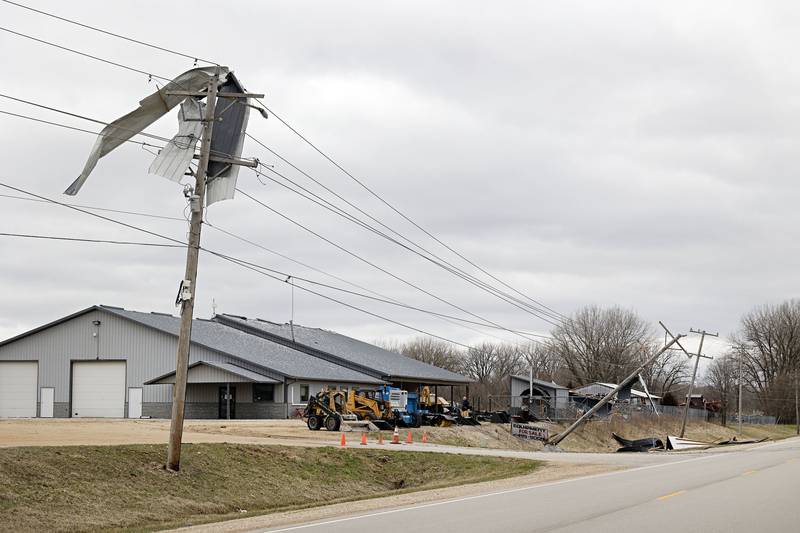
(593, 437)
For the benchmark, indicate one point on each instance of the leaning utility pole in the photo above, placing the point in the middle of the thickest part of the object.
(561, 436)
(694, 374)
(189, 285)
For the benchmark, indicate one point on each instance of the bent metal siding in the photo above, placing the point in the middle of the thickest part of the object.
(148, 353)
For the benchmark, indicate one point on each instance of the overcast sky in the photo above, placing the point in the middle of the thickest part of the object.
(639, 154)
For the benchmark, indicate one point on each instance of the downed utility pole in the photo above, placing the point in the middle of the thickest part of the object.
(625, 382)
(699, 354)
(188, 286)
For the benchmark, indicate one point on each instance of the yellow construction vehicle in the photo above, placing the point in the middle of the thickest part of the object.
(369, 405)
(328, 409)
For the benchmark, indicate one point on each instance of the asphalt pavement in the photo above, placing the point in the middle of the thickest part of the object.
(753, 489)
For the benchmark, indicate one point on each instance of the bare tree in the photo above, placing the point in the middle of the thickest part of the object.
(600, 344)
(669, 371)
(543, 358)
(434, 352)
(768, 340)
(721, 379)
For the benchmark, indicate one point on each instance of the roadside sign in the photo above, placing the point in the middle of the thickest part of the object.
(529, 432)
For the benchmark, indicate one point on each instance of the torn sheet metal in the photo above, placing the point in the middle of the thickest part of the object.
(174, 159)
(227, 141)
(150, 109)
(677, 443)
(638, 445)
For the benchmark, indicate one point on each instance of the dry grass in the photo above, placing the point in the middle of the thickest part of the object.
(595, 436)
(95, 488)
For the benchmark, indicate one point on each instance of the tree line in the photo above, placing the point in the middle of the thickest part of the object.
(608, 344)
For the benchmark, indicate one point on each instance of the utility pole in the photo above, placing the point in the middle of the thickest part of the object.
(189, 285)
(561, 436)
(739, 413)
(694, 374)
(796, 402)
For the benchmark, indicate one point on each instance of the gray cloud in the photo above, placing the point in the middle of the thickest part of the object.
(605, 152)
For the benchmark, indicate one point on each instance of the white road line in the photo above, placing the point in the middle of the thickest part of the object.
(492, 494)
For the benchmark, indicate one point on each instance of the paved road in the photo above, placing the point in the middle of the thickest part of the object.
(750, 490)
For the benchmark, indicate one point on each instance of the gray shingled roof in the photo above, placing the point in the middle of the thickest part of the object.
(390, 365)
(262, 352)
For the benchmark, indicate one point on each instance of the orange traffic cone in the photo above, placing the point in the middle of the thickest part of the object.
(396, 436)
(409, 439)
(363, 439)
(424, 438)
(343, 442)
(380, 437)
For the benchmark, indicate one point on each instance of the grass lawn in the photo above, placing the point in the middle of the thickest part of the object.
(91, 488)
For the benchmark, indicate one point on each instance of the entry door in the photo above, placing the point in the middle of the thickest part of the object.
(223, 402)
(48, 397)
(135, 403)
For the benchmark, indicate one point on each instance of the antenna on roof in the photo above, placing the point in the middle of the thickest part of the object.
(213, 307)
(291, 320)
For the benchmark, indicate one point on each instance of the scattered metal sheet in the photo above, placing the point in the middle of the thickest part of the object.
(150, 109)
(746, 441)
(638, 445)
(677, 443)
(174, 159)
(227, 141)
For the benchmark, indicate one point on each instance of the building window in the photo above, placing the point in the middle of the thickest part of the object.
(263, 392)
(303, 393)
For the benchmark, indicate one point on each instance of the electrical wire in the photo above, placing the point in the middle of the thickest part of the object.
(241, 263)
(112, 34)
(237, 260)
(84, 54)
(425, 253)
(284, 122)
(150, 75)
(374, 265)
(322, 202)
(396, 210)
(87, 240)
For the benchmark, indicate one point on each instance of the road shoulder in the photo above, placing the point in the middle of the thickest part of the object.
(548, 473)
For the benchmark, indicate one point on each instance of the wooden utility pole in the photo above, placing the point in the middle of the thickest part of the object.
(561, 436)
(694, 374)
(796, 402)
(189, 286)
(739, 413)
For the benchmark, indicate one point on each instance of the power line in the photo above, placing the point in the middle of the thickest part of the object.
(84, 54)
(452, 269)
(295, 131)
(74, 128)
(440, 262)
(82, 239)
(114, 63)
(380, 297)
(93, 208)
(239, 262)
(370, 263)
(112, 34)
(182, 244)
(390, 206)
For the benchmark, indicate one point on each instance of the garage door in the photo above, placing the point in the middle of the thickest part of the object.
(98, 389)
(18, 381)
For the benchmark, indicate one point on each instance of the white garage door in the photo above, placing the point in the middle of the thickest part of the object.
(18, 381)
(98, 389)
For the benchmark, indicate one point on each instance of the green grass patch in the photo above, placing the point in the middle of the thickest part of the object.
(107, 488)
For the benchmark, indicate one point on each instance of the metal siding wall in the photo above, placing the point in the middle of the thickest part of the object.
(149, 353)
